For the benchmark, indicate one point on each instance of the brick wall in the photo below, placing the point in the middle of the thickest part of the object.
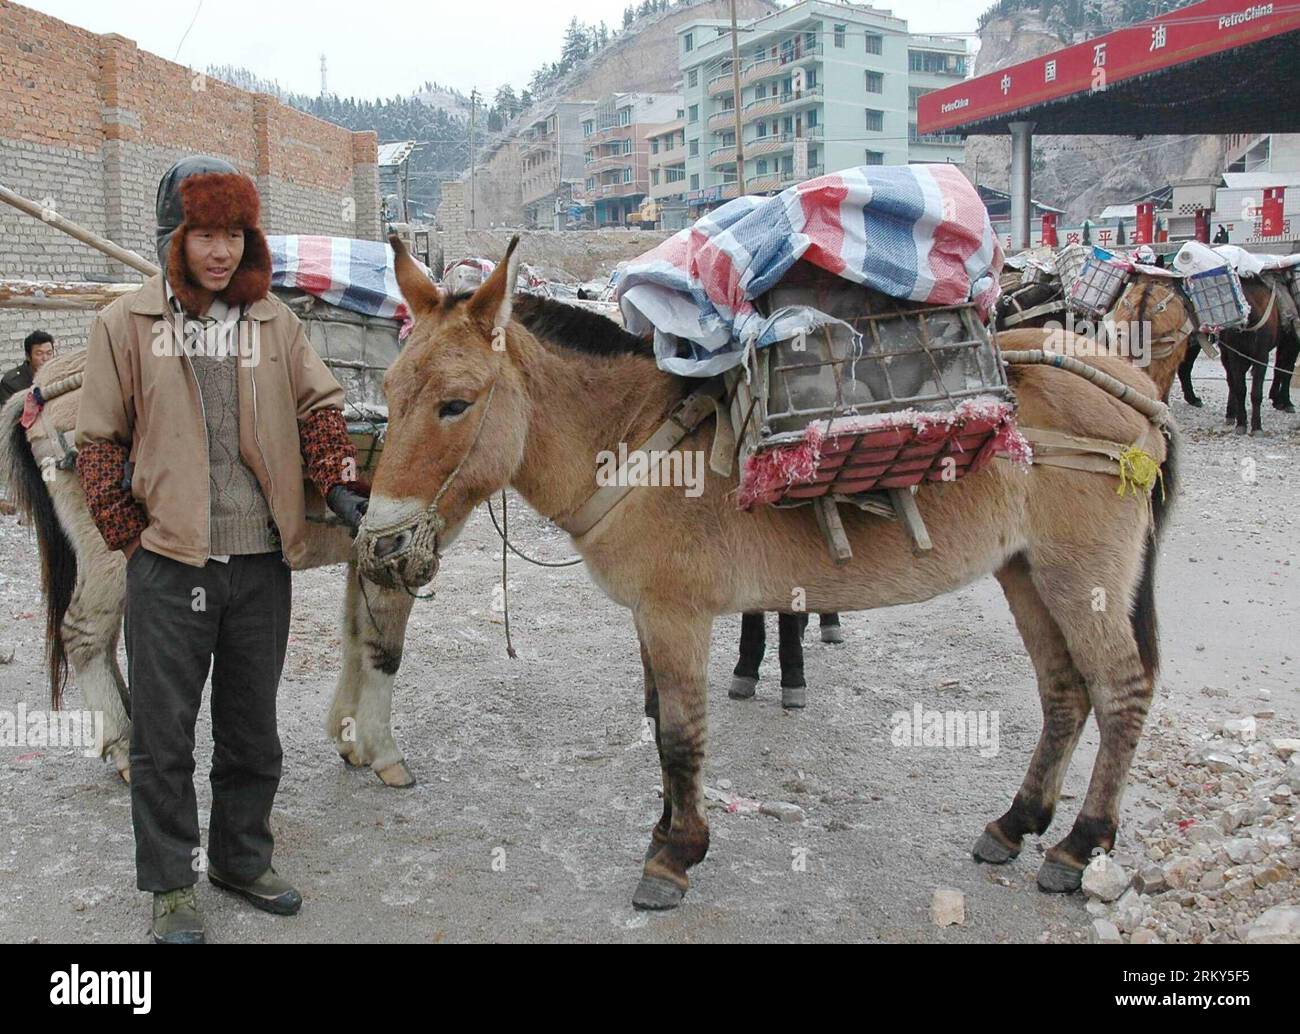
(88, 125)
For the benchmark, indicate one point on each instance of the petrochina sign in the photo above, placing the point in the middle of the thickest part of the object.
(1210, 27)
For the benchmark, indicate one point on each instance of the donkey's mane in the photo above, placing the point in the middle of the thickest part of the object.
(577, 329)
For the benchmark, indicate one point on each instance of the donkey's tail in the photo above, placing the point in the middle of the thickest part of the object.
(1145, 629)
(29, 491)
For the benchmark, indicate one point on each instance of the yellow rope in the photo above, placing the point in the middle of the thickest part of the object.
(1138, 469)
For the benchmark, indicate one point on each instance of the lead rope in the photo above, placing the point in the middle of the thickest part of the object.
(505, 585)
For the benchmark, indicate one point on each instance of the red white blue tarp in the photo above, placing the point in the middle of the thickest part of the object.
(352, 274)
(918, 232)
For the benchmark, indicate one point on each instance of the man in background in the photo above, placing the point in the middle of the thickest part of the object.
(39, 347)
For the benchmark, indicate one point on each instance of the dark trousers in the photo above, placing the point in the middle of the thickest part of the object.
(181, 620)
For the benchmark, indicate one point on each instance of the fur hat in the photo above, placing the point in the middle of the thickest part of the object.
(217, 201)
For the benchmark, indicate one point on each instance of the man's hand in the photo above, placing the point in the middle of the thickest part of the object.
(349, 505)
(129, 549)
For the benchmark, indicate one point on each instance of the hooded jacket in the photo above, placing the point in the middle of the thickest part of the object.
(141, 400)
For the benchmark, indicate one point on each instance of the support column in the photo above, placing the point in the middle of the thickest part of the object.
(1022, 152)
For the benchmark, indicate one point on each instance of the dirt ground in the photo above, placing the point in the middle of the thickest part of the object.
(537, 788)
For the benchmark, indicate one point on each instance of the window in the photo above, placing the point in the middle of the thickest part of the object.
(627, 175)
(760, 91)
(654, 145)
(591, 183)
(915, 93)
(787, 124)
(760, 130)
(787, 165)
(810, 40)
(624, 116)
(875, 120)
(627, 146)
(840, 31)
(695, 180)
(812, 157)
(693, 77)
(875, 44)
(695, 149)
(693, 113)
(762, 167)
(812, 117)
(810, 78)
(875, 82)
(875, 158)
(588, 128)
(689, 42)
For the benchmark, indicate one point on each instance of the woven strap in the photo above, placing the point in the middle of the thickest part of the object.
(1057, 449)
(685, 418)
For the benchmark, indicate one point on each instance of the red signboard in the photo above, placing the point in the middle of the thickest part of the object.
(1089, 67)
(1271, 222)
(1049, 229)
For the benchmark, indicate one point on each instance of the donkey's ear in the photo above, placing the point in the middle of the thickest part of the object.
(419, 291)
(493, 302)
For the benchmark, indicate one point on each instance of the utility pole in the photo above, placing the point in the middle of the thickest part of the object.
(735, 82)
(473, 107)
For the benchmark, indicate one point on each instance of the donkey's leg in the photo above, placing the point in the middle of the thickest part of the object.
(91, 623)
(1064, 699)
(1185, 374)
(366, 736)
(753, 643)
(830, 627)
(677, 645)
(1258, 372)
(659, 834)
(794, 690)
(1279, 394)
(1099, 634)
(341, 718)
(90, 633)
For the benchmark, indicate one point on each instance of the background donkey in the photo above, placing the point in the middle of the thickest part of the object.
(84, 585)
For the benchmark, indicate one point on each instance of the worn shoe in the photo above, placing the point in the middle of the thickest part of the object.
(269, 892)
(176, 917)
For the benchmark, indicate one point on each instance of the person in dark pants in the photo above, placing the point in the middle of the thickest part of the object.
(39, 347)
(204, 412)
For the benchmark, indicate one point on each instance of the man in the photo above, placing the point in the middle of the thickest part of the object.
(193, 459)
(39, 347)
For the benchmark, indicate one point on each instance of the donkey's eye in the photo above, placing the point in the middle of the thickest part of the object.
(453, 408)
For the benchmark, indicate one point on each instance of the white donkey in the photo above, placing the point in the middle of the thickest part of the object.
(84, 585)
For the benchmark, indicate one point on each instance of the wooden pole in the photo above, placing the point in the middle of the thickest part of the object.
(113, 251)
(735, 80)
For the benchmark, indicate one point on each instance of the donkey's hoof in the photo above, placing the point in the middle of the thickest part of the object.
(1059, 878)
(125, 773)
(396, 775)
(990, 849)
(350, 761)
(832, 634)
(794, 697)
(1196, 403)
(657, 895)
(1239, 429)
(742, 688)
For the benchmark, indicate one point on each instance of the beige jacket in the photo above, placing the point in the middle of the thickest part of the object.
(141, 396)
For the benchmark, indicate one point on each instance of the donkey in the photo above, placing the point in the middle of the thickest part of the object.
(493, 390)
(84, 584)
(1157, 302)
(1247, 351)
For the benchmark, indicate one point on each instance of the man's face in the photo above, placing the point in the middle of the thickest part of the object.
(42, 354)
(212, 256)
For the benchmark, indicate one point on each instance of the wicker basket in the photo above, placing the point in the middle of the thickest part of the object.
(1218, 299)
(1069, 263)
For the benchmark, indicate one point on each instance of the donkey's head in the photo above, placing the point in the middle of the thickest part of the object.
(457, 422)
(1151, 311)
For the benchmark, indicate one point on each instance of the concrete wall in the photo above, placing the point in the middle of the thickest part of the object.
(88, 124)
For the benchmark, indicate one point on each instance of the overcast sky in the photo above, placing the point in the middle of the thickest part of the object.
(381, 48)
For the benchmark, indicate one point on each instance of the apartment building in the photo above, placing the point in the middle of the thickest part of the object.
(551, 164)
(668, 174)
(823, 87)
(616, 152)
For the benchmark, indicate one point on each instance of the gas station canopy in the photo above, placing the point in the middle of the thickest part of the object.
(1220, 66)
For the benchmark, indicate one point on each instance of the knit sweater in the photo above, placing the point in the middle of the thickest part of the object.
(240, 518)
